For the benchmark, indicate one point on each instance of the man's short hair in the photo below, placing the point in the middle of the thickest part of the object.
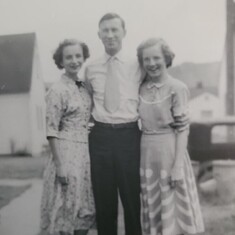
(109, 16)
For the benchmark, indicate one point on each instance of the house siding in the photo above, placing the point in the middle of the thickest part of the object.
(14, 124)
(37, 107)
(206, 103)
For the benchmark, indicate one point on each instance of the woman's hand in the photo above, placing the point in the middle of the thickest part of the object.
(177, 175)
(90, 126)
(61, 176)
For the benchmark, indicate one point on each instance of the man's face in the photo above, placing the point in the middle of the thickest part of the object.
(111, 34)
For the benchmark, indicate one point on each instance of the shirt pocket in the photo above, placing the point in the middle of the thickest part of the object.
(130, 91)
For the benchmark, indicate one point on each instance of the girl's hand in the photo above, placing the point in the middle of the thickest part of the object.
(61, 176)
(176, 177)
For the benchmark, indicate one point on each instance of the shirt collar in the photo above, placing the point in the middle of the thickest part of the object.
(70, 80)
(119, 56)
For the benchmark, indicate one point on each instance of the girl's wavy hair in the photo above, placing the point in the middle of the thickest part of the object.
(58, 54)
(166, 51)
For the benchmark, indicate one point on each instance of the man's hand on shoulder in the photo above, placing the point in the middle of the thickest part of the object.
(181, 122)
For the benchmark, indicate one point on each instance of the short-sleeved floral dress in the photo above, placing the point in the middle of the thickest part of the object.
(166, 210)
(67, 116)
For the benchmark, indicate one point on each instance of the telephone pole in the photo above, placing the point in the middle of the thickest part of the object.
(230, 52)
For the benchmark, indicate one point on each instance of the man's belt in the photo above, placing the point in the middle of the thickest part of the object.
(116, 125)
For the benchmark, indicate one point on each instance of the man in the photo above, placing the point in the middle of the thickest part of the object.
(115, 137)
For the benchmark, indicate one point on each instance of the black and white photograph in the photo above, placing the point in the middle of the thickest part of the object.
(117, 117)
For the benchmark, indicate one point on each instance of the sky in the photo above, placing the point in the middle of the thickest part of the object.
(194, 29)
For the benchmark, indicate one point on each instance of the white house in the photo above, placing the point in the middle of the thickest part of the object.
(22, 104)
(207, 89)
(205, 104)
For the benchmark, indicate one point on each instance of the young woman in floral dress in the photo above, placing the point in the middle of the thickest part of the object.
(67, 206)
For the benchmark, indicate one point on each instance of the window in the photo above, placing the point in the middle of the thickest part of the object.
(223, 134)
(206, 114)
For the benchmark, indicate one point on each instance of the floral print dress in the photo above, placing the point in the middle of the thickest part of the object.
(71, 208)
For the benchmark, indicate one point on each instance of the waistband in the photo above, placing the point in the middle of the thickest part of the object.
(158, 132)
(116, 125)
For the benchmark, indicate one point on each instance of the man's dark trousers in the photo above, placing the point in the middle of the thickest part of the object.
(115, 162)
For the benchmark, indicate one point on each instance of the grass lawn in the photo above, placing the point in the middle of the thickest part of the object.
(18, 168)
(219, 217)
(21, 167)
(7, 193)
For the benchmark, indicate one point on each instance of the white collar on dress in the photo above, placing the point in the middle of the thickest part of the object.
(69, 80)
(152, 84)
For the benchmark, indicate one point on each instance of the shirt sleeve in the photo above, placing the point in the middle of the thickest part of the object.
(87, 82)
(180, 109)
(54, 112)
(180, 101)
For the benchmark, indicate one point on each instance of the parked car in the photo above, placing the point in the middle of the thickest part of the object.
(212, 140)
